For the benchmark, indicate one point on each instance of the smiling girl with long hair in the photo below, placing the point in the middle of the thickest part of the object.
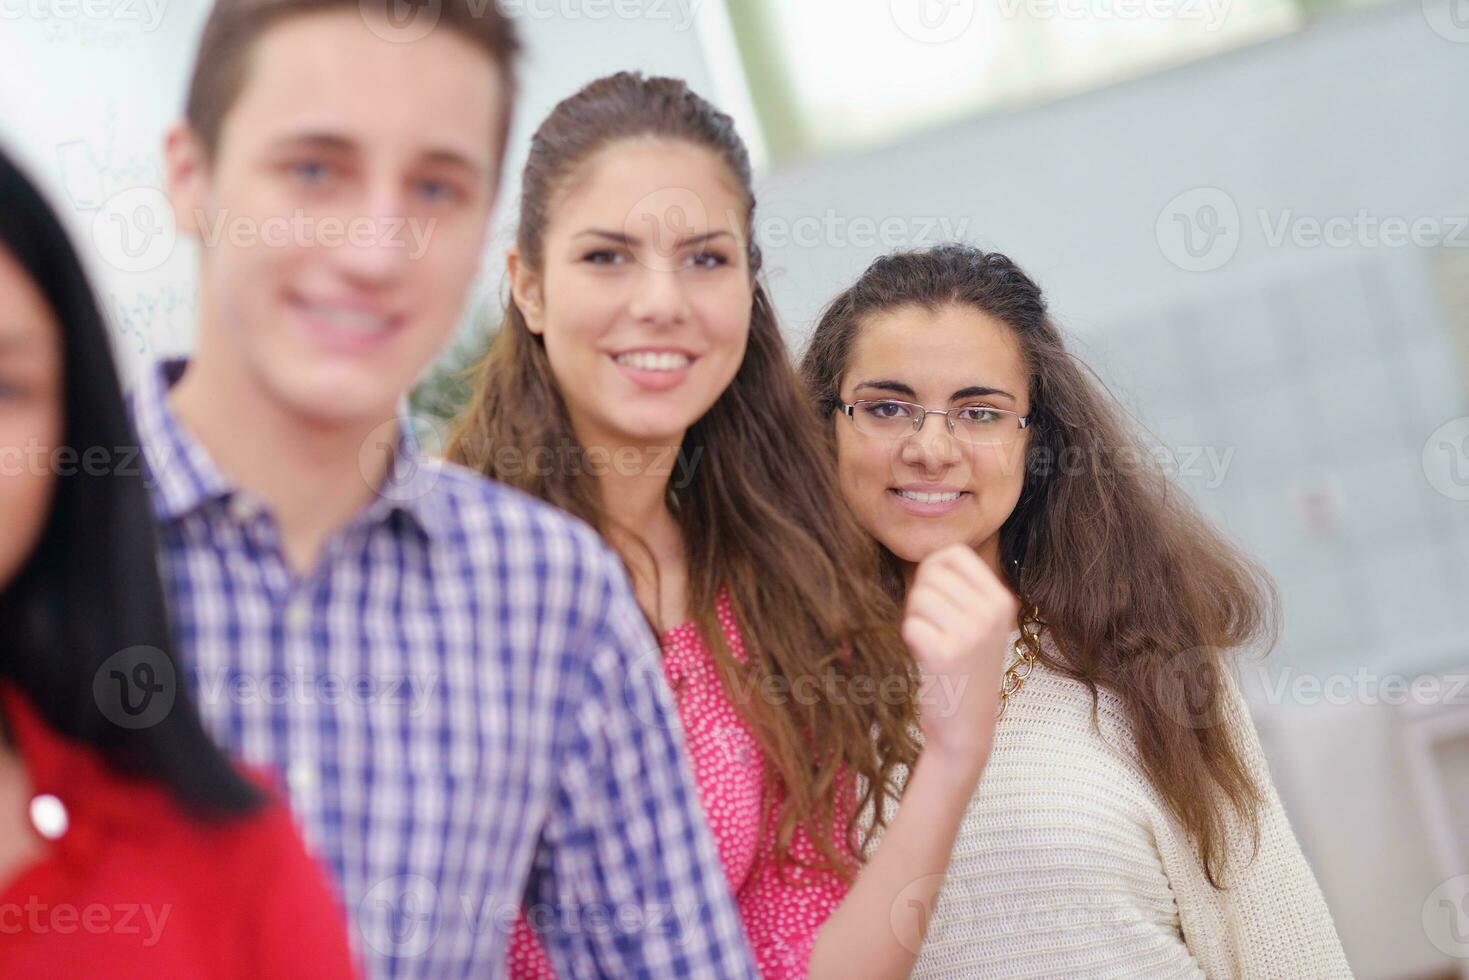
(640, 382)
(1126, 825)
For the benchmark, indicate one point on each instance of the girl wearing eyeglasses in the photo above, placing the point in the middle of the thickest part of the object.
(639, 381)
(1126, 825)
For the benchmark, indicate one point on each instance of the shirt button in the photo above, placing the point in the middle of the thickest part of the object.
(49, 817)
(298, 614)
(301, 777)
(242, 507)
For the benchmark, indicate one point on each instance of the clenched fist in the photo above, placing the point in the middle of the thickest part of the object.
(957, 623)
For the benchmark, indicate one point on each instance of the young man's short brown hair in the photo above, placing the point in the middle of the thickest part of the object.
(234, 27)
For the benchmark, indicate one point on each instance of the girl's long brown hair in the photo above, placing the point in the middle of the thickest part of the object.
(1141, 594)
(761, 514)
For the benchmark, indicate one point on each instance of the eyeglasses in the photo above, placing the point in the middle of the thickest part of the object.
(978, 425)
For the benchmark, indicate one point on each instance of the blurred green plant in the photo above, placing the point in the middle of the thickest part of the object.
(449, 383)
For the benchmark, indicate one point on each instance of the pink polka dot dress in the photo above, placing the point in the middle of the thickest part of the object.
(781, 917)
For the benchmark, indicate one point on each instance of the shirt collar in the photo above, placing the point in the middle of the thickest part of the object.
(184, 478)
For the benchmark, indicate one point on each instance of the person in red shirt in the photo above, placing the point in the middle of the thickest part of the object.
(130, 846)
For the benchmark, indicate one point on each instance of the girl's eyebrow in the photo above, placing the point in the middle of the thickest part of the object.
(894, 386)
(622, 238)
(973, 391)
(979, 391)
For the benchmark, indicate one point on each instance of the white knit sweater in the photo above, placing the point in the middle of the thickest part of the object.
(1068, 864)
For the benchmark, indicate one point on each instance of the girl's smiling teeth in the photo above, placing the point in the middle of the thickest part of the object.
(650, 360)
(930, 498)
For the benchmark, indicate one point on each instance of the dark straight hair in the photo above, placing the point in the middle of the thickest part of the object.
(91, 588)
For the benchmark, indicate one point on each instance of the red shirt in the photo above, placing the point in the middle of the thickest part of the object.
(136, 887)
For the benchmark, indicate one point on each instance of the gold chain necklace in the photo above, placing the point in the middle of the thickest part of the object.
(1025, 648)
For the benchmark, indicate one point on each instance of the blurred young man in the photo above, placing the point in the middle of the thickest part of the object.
(441, 668)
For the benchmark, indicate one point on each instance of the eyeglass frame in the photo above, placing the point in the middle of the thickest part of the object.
(919, 420)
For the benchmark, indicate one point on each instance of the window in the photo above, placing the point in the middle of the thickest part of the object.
(828, 75)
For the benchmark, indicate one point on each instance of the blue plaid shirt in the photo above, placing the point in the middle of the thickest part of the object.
(466, 707)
